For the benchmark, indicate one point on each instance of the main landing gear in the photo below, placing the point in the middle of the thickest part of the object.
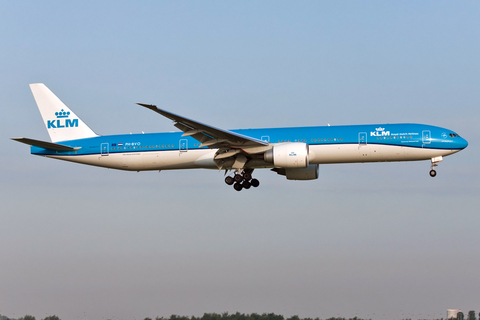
(242, 180)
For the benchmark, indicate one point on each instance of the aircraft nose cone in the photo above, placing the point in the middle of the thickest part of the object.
(463, 143)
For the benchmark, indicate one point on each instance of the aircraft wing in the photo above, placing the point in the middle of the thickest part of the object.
(209, 136)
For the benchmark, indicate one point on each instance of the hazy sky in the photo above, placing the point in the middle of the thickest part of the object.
(383, 240)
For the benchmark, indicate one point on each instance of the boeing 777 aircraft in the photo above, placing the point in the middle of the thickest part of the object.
(295, 153)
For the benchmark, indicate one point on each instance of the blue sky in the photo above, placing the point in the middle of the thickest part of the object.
(383, 240)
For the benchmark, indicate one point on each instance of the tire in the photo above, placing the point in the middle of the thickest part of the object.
(246, 184)
(238, 178)
(433, 173)
(237, 186)
(247, 176)
(229, 180)
(255, 183)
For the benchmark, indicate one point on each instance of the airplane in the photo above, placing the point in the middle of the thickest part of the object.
(294, 152)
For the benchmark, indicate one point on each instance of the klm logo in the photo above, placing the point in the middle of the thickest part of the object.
(62, 121)
(292, 154)
(379, 132)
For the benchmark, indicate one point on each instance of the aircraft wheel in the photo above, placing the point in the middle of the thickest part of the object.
(433, 173)
(238, 178)
(229, 180)
(247, 176)
(237, 186)
(255, 183)
(246, 184)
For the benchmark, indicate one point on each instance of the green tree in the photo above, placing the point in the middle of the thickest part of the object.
(52, 318)
(27, 317)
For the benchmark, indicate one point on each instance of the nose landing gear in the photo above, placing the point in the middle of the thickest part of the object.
(242, 180)
(434, 164)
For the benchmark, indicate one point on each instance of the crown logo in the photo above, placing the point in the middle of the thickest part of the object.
(62, 114)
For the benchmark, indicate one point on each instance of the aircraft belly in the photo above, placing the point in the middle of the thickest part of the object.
(191, 159)
(347, 153)
(127, 161)
(412, 154)
(196, 159)
(139, 161)
(351, 153)
(112, 161)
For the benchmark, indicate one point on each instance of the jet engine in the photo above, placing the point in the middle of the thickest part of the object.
(288, 155)
(308, 173)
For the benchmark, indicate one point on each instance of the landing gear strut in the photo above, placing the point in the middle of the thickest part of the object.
(242, 180)
(433, 173)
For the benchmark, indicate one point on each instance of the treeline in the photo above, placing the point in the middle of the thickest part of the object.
(243, 316)
(29, 317)
(215, 316)
(212, 316)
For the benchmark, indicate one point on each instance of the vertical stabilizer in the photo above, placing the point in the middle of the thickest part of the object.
(62, 124)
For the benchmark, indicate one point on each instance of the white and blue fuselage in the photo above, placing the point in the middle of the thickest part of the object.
(327, 144)
(293, 152)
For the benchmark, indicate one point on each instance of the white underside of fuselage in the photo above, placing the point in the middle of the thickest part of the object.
(203, 158)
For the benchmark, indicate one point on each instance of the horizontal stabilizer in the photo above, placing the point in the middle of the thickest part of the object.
(46, 145)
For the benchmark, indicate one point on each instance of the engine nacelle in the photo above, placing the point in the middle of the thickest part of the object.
(308, 173)
(288, 155)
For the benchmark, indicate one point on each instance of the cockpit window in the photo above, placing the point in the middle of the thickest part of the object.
(453, 135)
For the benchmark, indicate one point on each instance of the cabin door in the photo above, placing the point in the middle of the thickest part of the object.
(183, 145)
(362, 138)
(426, 136)
(104, 149)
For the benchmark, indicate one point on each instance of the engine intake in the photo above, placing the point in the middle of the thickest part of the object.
(288, 155)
